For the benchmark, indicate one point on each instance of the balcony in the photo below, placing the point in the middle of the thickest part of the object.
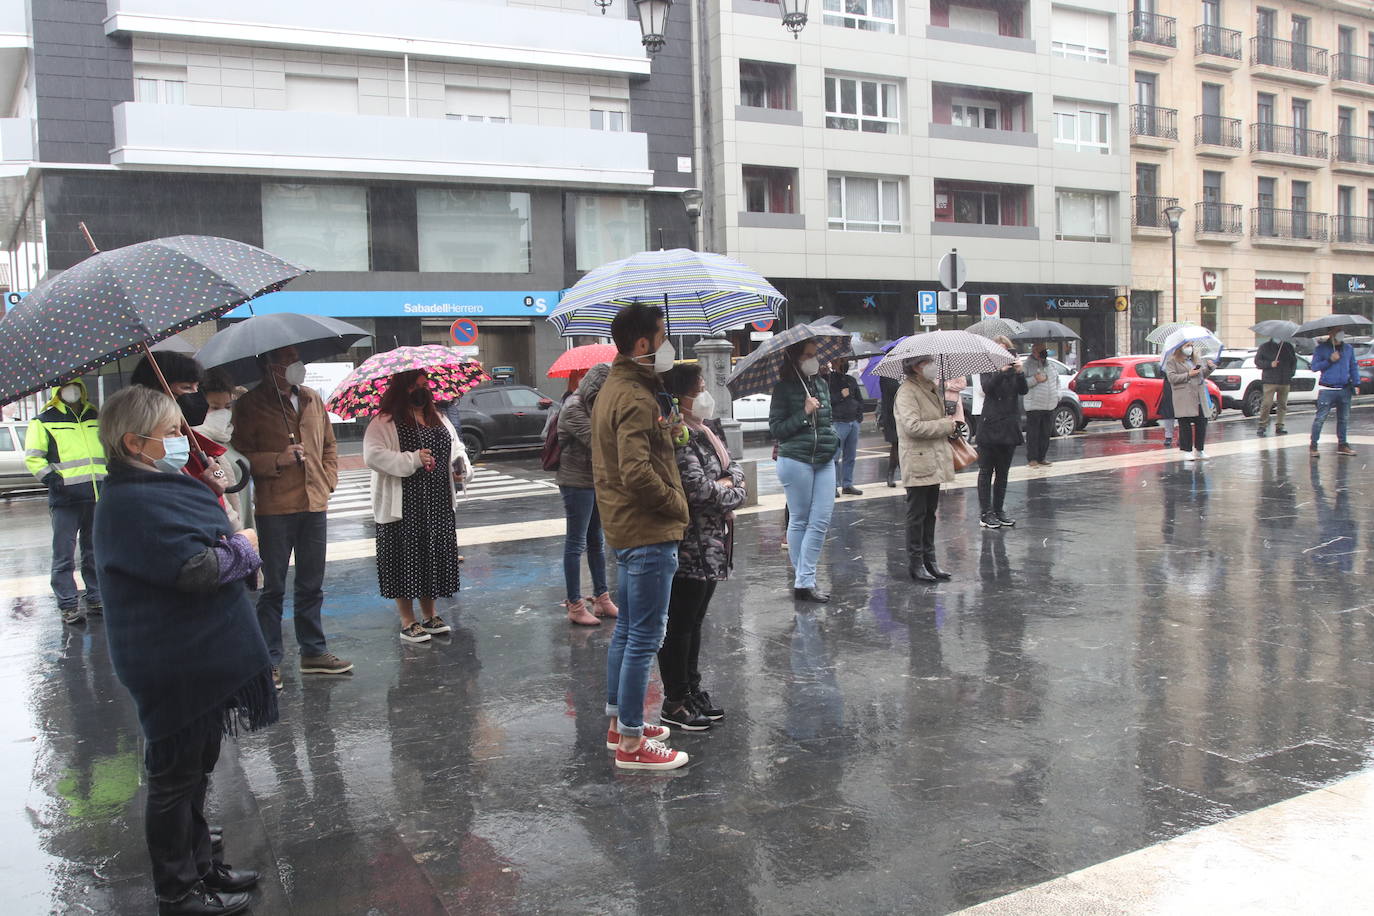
(1354, 74)
(1352, 233)
(206, 138)
(1217, 222)
(1287, 228)
(1147, 215)
(1216, 48)
(1288, 62)
(1219, 137)
(1153, 127)
(1352, 155)
(1153, 35)
(1276, 144)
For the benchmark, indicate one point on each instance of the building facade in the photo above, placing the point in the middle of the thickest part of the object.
(1257, 119)
(844, 164)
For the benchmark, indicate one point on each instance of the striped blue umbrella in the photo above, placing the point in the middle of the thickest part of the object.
(702, 294)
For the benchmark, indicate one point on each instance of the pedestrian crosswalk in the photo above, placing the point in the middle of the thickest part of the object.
(353, 496)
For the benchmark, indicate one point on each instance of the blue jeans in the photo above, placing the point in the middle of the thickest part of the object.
(1326, 399)
(848, 431)
(642, 591)
(810, 490)
(583, 536)
(71, 523)
(303, 533)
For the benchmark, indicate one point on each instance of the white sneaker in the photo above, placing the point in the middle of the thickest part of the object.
(1202, 456)
(1189, 457)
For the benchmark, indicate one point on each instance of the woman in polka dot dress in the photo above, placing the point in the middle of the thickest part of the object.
(416, 457)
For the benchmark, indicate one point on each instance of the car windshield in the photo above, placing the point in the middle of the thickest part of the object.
(1100, 373)
(1231, 362)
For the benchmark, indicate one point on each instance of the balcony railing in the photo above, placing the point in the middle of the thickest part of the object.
(1213, 39)
(1348, 148)
(1148, 210)
(1154, 29)
(1275, 52)
(1358, 229)
(1214, 130)
(1152, 121)
(1300, 225)
(1289, 141)
(1354, 68)
(1218, 218)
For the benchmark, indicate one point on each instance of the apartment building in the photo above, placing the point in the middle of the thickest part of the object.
(1257, 119)
(843, 164)
(428, 159)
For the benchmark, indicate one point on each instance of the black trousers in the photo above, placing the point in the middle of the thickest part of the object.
(1192, 433)
(178, 837)
(994, 463)
(1039, 426)
(893, 460)
(677, 657)
(922, 504)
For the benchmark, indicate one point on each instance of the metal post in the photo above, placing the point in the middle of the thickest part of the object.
(1173, 250)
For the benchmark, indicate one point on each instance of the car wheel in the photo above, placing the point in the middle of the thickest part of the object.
(472, 444)
(1251, 405)
(1216, 411)
(1136, 416)
(1064, 422)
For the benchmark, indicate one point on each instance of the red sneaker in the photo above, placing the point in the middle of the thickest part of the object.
(651, 732)
(650, 756)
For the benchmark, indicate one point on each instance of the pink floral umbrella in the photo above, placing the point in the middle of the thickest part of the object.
(450, 376)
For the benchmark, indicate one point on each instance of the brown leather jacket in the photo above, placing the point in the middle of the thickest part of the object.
(634, 462)
(260, 435)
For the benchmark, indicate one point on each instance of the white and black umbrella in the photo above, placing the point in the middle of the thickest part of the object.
(758, 372)
(1330, 324)
(957, 352)
(997, 327)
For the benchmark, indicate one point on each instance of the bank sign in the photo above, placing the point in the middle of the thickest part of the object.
(402, 304)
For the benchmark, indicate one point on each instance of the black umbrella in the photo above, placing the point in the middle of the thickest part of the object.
(238, 348)
(1044, 329)
(119, 302)
(1329, 324)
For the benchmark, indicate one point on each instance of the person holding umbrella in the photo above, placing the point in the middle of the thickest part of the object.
(282, 428)
(1186, 372)
(1335, 360)
(1277, 362)
(924, 427)
(999, 433)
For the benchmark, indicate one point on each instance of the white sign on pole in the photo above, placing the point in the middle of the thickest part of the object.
(953, 270)
(760, 335)
(470, 351)
(324, 378)
(928, 319)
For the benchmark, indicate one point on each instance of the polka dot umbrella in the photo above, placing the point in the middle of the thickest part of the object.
(450, 376)
(118, 302)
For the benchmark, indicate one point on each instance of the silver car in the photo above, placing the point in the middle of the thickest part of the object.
(14, 475)
(1068, 415)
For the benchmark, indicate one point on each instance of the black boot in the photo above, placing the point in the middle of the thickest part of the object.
(934, 568)
(224, 879)
(810, 594)
(892, 476)
(917, 568)
(204, 902)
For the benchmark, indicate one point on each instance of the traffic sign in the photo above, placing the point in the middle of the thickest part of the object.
(953, 270)
(925, 300)
(760, 335)
(929, 318)
(763, 325)
(464, 332)
(990, 304)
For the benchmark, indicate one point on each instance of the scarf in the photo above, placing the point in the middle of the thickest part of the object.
(722, 452)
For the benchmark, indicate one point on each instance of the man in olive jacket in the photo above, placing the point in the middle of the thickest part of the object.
(643, 513)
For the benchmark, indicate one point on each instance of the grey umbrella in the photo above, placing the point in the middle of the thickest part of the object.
(1161, 333)
(758, 372)
(1277, 328)
(996, 327)
(1044, 329)
(237, 348)
(1329, 324)
(958, 352)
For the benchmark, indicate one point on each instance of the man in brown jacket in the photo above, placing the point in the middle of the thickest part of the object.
(282, 428)
(644, 513)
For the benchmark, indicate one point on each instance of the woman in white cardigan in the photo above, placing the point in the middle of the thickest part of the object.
(416, 457)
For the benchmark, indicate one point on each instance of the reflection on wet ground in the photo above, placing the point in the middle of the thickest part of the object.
(1152, 649)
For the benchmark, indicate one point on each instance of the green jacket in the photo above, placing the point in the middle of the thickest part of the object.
(62, 449)
(809, 439)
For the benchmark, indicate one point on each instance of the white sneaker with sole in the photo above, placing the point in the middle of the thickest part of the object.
(1202, 456)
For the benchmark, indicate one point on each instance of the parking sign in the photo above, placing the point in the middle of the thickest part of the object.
(925, 300)
(990, 305)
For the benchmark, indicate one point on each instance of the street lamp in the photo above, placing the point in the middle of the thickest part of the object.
(653, 22)
(1173, 215)
(793, 15)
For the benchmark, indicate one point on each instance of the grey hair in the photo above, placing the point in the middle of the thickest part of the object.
(136, 410)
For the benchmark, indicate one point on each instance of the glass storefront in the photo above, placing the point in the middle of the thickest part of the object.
(1352, 294)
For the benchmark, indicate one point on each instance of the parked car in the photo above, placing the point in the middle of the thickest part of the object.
(500, 417)
(1238, 379)
(14, 475)
(1126, 388)
(1364, 358)
(1068, 416)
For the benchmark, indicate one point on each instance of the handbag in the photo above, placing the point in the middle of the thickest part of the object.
(552, 454)
(964, 454)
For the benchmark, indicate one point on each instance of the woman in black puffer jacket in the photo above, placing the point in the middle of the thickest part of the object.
(999, 433)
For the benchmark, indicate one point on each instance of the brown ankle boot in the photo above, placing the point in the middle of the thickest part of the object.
(578, 614)
(603, 606)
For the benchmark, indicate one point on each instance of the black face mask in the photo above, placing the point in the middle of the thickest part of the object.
(194, 407)
(421, 397)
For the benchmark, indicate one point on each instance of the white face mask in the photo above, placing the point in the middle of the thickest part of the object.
(931, 371)
(294, 373)
(70, 394)
(1339, 337)
(704, 406)
(1187, 351)
(810, 367)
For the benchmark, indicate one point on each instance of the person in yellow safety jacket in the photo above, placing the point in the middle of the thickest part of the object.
(62, 449)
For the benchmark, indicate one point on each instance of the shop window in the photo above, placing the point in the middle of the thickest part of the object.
(864, 15)
(473, 231)
(1083, 216)
(319, 226)
(1211, 310)
(769, 190)
(856, 103)
(609, 228)
(1080, 35)
(858, 204)
(1144, 317)
(763, 85)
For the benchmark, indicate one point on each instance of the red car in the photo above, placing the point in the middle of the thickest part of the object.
(1126, 388)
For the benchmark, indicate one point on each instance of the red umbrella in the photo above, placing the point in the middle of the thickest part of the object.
(579, 359)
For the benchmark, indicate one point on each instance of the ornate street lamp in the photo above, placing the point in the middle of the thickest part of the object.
(1173, 215)
(793, 15)
(602, 5)
(653, 22)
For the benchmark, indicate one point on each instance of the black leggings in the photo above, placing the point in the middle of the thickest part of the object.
(1192, 433)
(677, 657)
(993, 459)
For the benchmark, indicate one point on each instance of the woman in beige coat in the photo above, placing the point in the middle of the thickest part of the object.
(1188, 383)
(923, 431)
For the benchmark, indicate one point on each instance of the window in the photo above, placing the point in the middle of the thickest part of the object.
(865, 204)
(973, 18)
(609, 114)
(473, 231)
(769, 190)
(320, 226)
(1080, 35)
(764, 85)
(973, 114)
(854, 103)
(491, 106)
(524, 399)
(6, 442)
(321, 93)
(609, 228)
(865, 15)
(1083, 216)
(160, 85)
(972, 206)
(1082, 126)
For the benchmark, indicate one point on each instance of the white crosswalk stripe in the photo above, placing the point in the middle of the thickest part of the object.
(353, 497)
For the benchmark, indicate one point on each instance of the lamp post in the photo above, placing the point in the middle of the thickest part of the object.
(793, 15)
(653, 22)
(691, 202)
(1173, 215)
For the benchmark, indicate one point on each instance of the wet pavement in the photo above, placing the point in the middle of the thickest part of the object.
(1152, 649)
